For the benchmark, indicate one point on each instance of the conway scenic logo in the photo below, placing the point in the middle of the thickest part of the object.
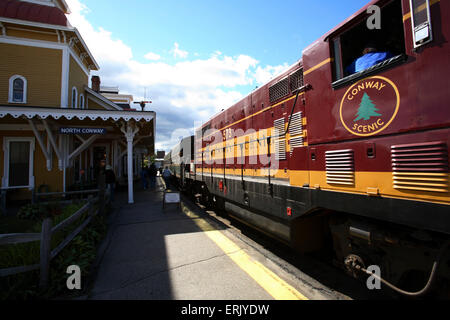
(369, 106)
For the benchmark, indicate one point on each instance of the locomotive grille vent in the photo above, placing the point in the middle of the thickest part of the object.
(296, 80)
(420, 167)
(340, 167)
(280, 139)
(296, 143)
(296, 131)
(296, 126)
(279, 90)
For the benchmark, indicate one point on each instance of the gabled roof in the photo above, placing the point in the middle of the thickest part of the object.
(33, 12)
(108, 104)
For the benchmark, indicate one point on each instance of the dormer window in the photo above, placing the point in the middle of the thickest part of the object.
(17, 89)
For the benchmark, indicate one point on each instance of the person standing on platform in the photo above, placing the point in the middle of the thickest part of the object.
(144, 174)
(110, 179)
(152, 172)
(166, 176)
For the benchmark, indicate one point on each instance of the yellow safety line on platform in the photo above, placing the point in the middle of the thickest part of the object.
(268, 280)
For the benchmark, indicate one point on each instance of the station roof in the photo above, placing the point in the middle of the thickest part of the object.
(80, 114)
(23, 13)
(111, 120)
(33, 12)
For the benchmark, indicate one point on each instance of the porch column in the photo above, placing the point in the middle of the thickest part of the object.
(130, 131)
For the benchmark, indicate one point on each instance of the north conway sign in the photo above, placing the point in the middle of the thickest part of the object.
(65, 130)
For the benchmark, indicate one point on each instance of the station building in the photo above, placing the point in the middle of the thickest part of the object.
(56, 128)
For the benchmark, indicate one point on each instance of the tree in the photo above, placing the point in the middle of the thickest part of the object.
(366, 109)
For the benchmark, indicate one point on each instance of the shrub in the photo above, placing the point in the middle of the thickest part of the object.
(81, 251)
(31, 212)
(37, 212)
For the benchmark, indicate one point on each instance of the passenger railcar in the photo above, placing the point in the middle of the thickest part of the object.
(180, 161)
(356, 164)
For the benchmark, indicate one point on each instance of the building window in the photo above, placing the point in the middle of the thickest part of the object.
(81, 101)
(74, 98)
(18, 162)
(17, 89)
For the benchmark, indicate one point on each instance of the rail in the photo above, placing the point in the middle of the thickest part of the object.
(45, 237)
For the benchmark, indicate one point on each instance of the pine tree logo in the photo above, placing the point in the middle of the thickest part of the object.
(367, 109)
(369, 106)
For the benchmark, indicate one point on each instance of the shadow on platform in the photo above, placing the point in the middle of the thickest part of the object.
(144, 243)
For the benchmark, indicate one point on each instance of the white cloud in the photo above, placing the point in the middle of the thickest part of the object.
(183, 92)
(264, 74)
(178, 53)
(152, 56)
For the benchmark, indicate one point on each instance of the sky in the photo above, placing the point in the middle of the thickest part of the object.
(194, 58)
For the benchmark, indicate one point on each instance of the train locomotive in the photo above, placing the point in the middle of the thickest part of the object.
(349, 164)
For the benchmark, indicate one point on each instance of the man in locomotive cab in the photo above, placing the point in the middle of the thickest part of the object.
(370, 57)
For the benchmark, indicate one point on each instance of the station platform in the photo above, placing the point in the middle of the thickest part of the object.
(183, 254)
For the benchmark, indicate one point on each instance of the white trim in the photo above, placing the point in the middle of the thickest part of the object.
(6, 149)
(86, 47)
(53, 141)
(37, 24)
(74, 104)
(3, 29)
(65, 69)
(83, 147)
(66, 8)
(57, 113)
(44, 147)
(32, 43)
(11, 89)
(50, 155)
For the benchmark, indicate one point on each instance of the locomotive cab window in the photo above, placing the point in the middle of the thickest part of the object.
(360, 50)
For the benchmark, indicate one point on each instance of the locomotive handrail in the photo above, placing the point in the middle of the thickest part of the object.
(305, 87)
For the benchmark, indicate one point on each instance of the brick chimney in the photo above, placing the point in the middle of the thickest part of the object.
(96, 83)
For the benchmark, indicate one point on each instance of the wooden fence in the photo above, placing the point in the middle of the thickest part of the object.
(39, 197)
(46, 254)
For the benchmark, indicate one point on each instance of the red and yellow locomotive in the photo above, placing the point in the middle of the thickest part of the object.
(324, 156)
